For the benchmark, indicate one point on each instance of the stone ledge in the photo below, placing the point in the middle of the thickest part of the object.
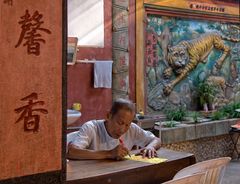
(186, 132)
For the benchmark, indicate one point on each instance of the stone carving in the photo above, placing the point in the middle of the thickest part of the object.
(120, 18)
(155, 97)
(159, 73)
(121, 61)
(120, 40)
(121, 3)
(220, 85)
(185, 57)
(121, 83)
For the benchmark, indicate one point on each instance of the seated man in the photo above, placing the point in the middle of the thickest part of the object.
(114, 137)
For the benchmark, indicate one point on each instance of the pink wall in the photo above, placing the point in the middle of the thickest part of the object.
(95, 102)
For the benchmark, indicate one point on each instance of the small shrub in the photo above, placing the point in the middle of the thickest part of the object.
(218, 115)
(176, 114)
(195, 116)
(230, 110)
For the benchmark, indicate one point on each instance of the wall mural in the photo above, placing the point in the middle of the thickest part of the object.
(182, 53)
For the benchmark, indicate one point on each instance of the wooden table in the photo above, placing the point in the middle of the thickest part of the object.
(127, 171)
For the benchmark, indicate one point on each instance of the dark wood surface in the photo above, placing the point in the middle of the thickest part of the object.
(127, 171)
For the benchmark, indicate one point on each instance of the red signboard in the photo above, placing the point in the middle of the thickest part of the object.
(30, 87)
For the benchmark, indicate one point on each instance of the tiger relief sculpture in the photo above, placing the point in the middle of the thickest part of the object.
(186, 55)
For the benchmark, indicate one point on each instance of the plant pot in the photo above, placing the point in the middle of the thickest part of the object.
(205, 107)
(211, 106)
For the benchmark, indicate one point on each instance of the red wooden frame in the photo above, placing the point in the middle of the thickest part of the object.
(104, 53)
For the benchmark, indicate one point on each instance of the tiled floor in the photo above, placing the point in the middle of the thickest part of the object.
(232, 174)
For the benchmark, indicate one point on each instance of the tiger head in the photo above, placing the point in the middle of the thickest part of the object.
(178, 57)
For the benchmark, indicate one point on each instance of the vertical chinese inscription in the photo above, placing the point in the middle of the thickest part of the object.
(151, 49)
(31, 121)
(8, 2)
(31, 32)
(122, 40)
(122, 60)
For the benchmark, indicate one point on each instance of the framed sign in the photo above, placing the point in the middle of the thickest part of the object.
(72, 50)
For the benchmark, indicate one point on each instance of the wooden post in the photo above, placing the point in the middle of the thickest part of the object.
(140, 87)
(32, 55)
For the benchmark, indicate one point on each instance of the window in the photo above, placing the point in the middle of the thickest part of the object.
(86, 21)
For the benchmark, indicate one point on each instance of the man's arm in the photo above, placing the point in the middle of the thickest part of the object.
(150, 149)
(118, 153)
(147, 140)
(76, 153)
(155, 143)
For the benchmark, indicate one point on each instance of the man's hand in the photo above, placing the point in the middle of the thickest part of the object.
(149, 152)
(119, 152)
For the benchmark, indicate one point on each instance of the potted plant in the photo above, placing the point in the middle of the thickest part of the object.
(206, 94)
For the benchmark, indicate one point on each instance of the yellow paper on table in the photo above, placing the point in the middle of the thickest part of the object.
(154, 160)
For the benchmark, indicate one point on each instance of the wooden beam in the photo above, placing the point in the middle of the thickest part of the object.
(140, 89)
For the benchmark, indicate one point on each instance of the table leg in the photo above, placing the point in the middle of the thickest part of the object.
(235, 142)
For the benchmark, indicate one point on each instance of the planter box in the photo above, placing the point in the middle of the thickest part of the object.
(186, 132)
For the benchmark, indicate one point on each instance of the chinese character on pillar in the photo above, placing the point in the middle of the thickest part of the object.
(28, 113)
(31, 32)
(8, 2)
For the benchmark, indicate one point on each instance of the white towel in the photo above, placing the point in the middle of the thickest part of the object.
(103, 74)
